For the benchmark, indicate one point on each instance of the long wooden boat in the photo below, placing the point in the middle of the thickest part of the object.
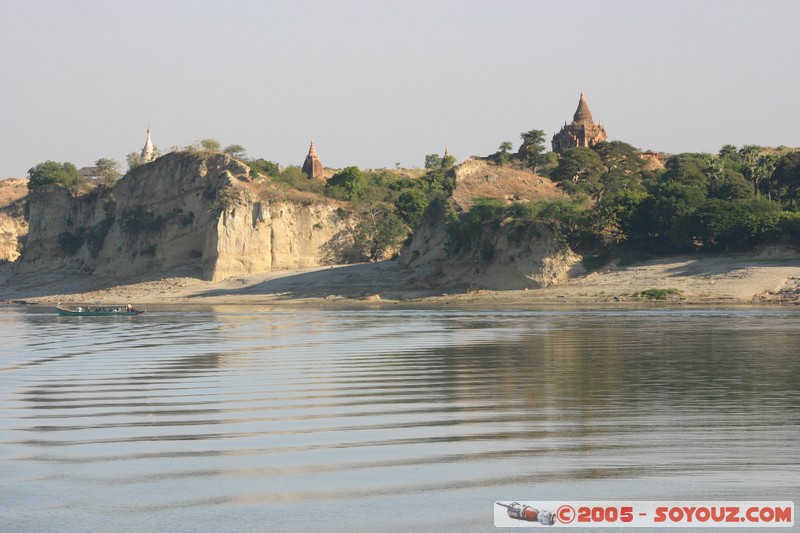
(98, 310)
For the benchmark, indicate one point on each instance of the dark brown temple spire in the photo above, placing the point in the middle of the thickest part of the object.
(583, 131)
(582, 114)
(312, 166)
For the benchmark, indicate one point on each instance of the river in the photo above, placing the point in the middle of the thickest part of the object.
(391, 419)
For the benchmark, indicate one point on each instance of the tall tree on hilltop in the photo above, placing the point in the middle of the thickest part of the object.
(748, 156)
(579, 171)
(53, 172)
(235, 150)
(211, 145)
(787, 176)
(502, 157)
(350, 182)
(623, 166)
(728, 152)
(765, 166)
(433, 161)
(448, 160)
(108, 170)
(760, 171)
(533, 148)
(687, 169)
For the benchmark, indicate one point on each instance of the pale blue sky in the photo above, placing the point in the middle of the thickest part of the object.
(374, 83)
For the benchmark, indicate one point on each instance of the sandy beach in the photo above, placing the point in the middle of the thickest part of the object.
(771, 276)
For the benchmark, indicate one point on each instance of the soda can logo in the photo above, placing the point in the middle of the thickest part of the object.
(645, 514)
(526, 513)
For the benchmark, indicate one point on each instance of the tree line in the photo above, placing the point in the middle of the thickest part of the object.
(617, 201)
(732, 200)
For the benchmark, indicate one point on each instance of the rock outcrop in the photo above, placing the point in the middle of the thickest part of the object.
(13, 226)
(183, 211)
(477, 178)
(13, 229)
(504, 258)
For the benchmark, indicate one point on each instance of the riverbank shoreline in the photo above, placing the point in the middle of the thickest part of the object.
(769, 277)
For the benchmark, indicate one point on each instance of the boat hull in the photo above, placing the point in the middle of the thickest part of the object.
(96, 312)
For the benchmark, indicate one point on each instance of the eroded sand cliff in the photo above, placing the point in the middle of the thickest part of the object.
(190, 211)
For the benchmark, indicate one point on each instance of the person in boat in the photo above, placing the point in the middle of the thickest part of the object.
(129, 308)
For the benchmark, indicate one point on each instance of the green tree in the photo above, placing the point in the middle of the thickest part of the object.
(727, 184)
(762, 171)
(728, 152)
(262, 166)
(579, 171)
(532, 150)
(52, 172)
(749, 156)
(108, 170)
(210, 145)
(738, 224)
(616, 218)
(502, 157)
(235, 150)
(668, 218)
(433, 161)
(787, 176)
(688, 169)
(765, 166)
(134, 160)
(623, 166)
(439, 183)
(380, 232)
(410, 206)
(448, 161)
(349, 184)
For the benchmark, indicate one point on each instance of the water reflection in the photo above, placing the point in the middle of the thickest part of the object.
(229, 414)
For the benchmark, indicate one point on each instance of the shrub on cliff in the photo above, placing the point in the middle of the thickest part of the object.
(464, 230)
(502, 157)
(410, 206)
(52, 172)
(140, 219)
(262, 166)
(70, 243)
(347, 185)
(293, 178)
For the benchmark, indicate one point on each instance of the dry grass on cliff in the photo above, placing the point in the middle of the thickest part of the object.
(11, 190)
(266, 189)
(482, 179)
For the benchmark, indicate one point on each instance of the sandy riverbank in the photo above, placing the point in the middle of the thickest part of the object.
(772, 276)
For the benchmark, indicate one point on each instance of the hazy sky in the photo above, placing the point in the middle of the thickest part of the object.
(374, 83)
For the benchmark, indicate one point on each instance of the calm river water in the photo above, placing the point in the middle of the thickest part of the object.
(265, 419)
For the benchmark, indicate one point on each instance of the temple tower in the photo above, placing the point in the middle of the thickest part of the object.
(148, 152)
(312, 166)
(583, 131)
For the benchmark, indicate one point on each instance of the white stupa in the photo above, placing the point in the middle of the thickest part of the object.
(148, 152)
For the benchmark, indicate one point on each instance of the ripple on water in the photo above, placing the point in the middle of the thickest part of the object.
(214, 418)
